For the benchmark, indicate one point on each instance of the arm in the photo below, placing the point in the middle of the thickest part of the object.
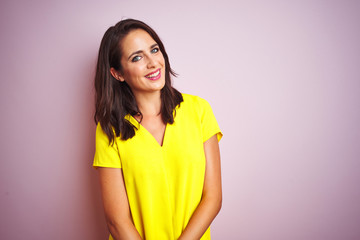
(116, 204)
(210, 203)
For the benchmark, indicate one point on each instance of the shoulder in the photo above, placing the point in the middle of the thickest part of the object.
(193, 106)
(199, 111)
(194, 101)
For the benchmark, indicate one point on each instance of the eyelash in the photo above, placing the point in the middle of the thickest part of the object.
(156, 48)
(138, 58)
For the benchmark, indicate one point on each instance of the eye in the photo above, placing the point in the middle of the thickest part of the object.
(136, 58)
(155, 50)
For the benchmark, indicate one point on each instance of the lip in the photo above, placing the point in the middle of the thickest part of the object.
(156, 77)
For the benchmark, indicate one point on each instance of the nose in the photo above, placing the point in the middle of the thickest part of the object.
(151, 62)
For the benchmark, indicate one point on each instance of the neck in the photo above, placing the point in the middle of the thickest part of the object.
(149, 104)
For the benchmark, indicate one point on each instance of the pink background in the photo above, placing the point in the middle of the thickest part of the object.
(282, 78)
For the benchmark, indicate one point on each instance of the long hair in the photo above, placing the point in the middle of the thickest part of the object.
(114, 99)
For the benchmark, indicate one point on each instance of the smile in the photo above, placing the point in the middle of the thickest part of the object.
(154, 75)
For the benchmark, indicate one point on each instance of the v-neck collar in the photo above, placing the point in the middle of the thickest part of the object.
(140, 127)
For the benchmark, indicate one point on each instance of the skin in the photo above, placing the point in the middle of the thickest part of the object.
(147, 93)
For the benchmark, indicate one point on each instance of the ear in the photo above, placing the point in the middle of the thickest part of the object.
(116, 75)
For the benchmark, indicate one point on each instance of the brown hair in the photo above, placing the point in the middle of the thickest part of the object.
(114, 99)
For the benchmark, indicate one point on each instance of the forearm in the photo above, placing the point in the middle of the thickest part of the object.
(116, 205)
(125, 230)
(202, 218)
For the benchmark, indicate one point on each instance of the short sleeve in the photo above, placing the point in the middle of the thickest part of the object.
(209, 124)
(105, 155)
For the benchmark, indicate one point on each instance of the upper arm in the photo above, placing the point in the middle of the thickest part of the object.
(114, 196)
(106, 155)
(212, 184)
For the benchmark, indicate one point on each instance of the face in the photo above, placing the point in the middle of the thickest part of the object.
(143, 65)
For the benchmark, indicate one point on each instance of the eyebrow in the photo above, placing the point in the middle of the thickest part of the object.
(140, 51)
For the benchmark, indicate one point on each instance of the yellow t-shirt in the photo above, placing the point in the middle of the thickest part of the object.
(163, 183)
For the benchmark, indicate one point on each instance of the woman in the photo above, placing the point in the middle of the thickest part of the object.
(157, 150)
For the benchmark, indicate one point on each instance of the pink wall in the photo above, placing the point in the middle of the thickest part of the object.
(283, 80)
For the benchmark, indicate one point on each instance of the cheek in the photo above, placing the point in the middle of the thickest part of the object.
(162, 60)
(135, 71)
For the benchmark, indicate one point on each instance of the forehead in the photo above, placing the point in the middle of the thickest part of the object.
(135, 40)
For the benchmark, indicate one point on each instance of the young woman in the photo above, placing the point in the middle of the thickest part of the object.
(157, 150)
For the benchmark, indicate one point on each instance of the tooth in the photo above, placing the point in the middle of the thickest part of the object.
(154, 74)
